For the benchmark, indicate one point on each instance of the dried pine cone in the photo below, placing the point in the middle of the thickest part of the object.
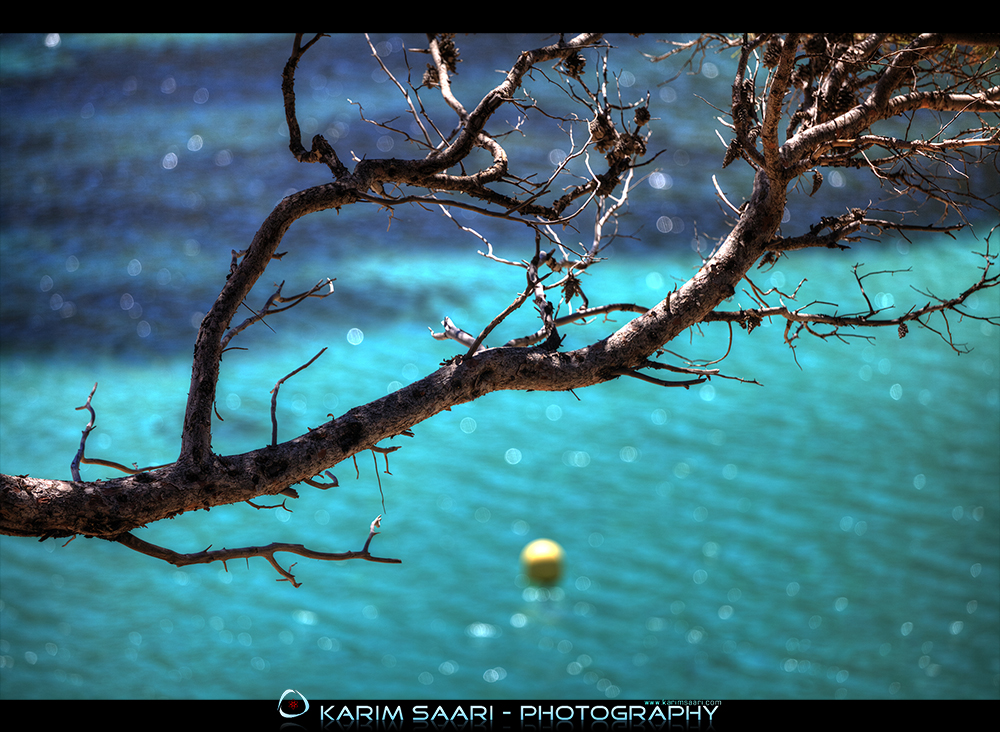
(732, 152)
(602, 132)
(773, 52)
(573, 65)
(817, 182)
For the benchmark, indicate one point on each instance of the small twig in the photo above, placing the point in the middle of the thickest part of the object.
(871, 309)
(282, 505)
(274, 396)
(453, 332)
(376, 524)
(323, 486)
(518, 301)
(722, 195)
(323, 288)
(268, 552)
(660, 382)
(258, 316)
(544, 308)
(74, 466)
(406, 96)
(119, 466)
(378, 478)
(708, 373)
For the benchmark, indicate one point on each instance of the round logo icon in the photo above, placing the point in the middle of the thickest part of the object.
(292, 707)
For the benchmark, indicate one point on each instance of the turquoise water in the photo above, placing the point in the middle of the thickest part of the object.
(834, 532)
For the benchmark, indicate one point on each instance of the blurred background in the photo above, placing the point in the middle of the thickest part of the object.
(831, 533)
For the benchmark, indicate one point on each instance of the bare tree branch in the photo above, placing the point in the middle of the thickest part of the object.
(936, 305)
(225, 555)
(798, 103)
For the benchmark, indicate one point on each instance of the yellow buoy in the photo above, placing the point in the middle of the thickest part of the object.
(542, 561)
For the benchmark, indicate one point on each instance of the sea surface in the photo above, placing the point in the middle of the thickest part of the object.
(830, 531)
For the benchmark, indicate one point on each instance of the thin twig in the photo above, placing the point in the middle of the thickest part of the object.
(274, 396)
(660, 382)
(518, 301)
(379, 479)
(74, 466)
(224, 555)
(119, 466)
